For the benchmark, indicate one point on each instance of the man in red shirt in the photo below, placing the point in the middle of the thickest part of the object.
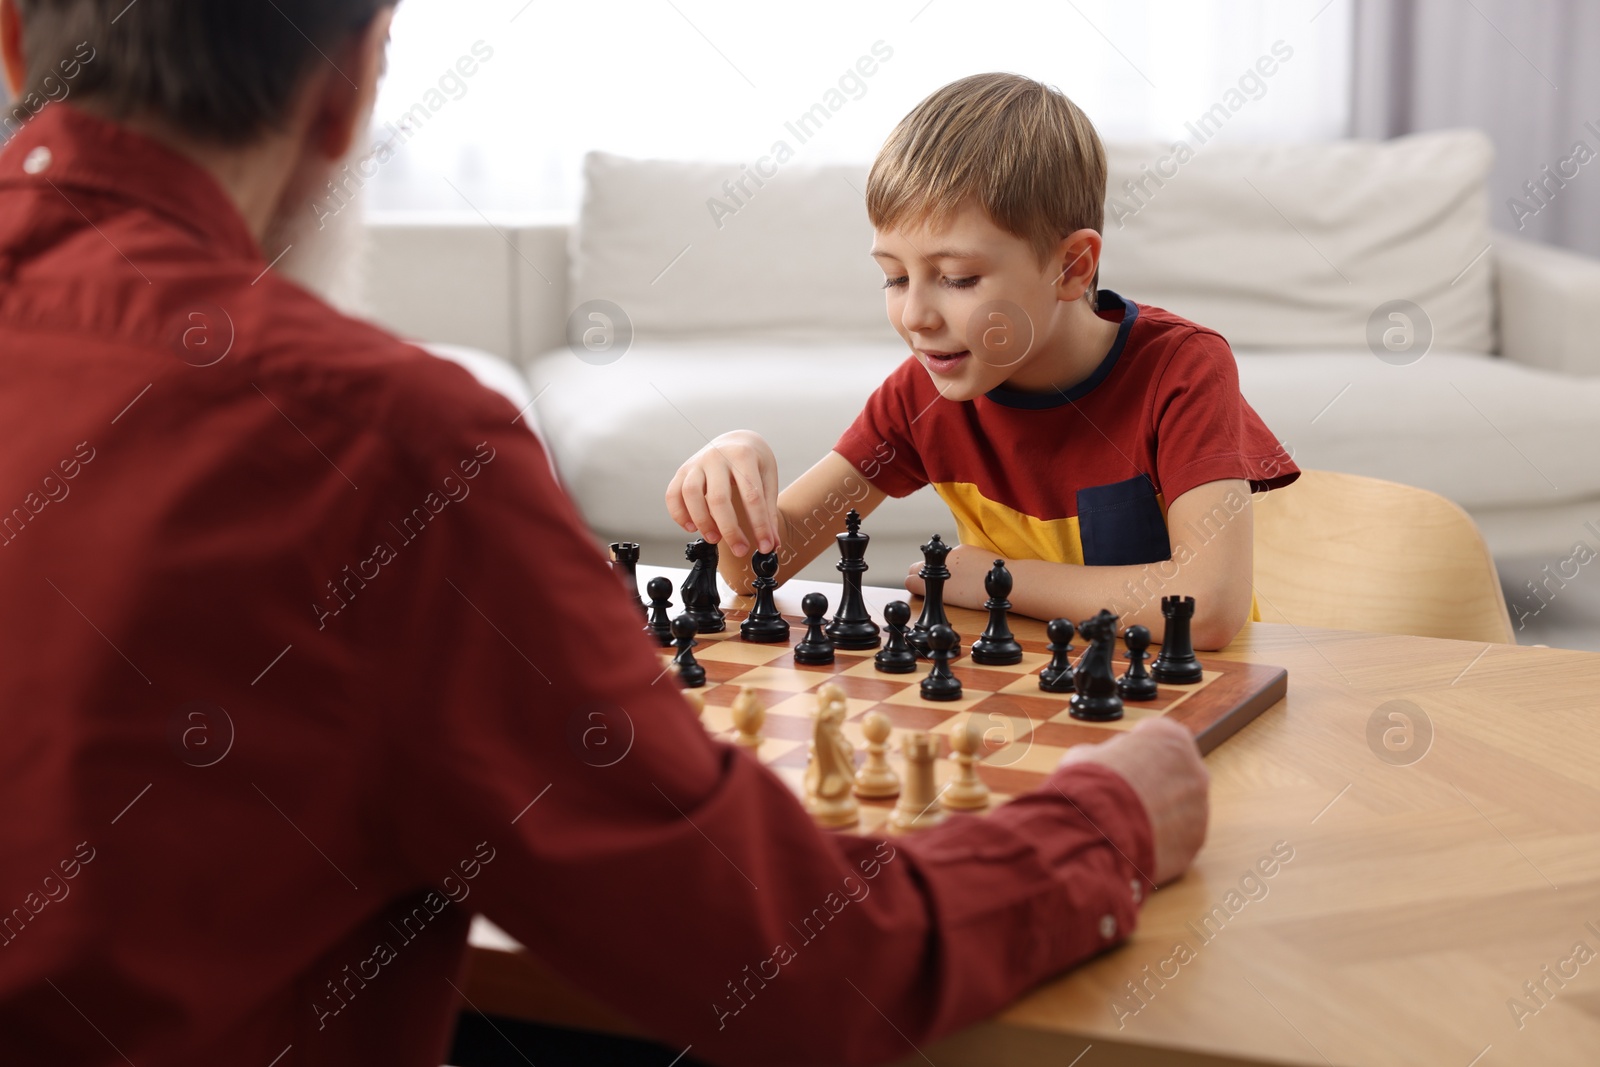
(304, 648)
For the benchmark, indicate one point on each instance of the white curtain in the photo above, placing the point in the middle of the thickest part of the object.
(1523, 71)
(490, 105)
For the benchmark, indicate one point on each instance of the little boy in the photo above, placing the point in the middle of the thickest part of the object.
(1100, 446)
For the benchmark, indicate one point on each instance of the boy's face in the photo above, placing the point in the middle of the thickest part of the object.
(973, 302)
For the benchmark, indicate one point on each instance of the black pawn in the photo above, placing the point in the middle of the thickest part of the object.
(940, 684)
(1137, 683)
(702, 600)
(690, 673)
(996, 647)
(764, 625)
(1057, 675)
(625, 561)
(934, 574)
(1177, 665)
(1095, 677)
(660, 624)
(814, 648)
(896, 656)
(852, 626)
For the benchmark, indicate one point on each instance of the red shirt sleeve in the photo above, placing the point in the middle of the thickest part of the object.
(671, 875)
(1205, 430)
(879, 442)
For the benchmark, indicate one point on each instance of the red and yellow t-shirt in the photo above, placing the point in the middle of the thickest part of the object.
(1082, 475)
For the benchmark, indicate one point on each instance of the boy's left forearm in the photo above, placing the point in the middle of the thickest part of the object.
(1067, 590)
(1215, 569)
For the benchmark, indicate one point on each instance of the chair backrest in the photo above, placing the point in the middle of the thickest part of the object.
(1352, 553)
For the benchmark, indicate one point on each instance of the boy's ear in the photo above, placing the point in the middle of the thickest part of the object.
(1078, 259)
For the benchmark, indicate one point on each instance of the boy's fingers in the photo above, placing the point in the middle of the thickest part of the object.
(719, 498)
(769, 482)
(694, 499)
(751, 492)
(675, 507)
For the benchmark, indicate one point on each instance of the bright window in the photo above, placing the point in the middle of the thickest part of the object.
(718, 80)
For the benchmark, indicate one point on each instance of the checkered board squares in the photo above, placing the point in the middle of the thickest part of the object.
(1026, 731)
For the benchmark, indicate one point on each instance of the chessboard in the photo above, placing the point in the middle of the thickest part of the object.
(1025, 731)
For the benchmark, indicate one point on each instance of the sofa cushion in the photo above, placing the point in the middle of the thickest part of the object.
(1296, 246)
(1484, 431)
(1281, 246)
(682, 256)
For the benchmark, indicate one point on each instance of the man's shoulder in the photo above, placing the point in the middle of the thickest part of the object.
(354, 371)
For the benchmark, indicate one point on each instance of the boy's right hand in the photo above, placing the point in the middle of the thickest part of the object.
(728, 492)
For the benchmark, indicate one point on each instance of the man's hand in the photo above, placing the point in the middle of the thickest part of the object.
(964, 588)
(1160, 760)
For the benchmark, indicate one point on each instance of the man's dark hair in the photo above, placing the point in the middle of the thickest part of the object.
(224, 71)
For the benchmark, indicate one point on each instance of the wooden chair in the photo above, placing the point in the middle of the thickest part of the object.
(1352, 553)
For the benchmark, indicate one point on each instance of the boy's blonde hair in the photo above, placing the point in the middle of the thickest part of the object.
(1018, 147)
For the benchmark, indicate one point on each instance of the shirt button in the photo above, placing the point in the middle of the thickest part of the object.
(1138, 891)
(1108, 927)
(38, 161)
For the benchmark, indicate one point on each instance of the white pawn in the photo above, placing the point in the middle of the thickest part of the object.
(918, 806)
(748, 718)
(876, 778)
(968, 792)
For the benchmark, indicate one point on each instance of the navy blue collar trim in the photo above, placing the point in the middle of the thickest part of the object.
(1016, 398)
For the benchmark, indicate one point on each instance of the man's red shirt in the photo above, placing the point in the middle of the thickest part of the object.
(305, 658)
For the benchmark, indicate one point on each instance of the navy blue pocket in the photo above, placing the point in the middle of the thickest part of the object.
(1121, 524)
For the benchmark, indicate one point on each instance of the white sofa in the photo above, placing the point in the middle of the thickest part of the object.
(770, 317)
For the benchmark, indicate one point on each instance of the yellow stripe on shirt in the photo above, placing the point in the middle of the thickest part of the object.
(1011, 534)
(1007, 532)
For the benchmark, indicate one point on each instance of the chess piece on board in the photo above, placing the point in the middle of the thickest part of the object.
(967, 792)
(690, 673)
(852, 627)
(1056, 677)
(941, 684)
(702, 600)
(934, 574)
(625, 561)
(997, 646)
(896, 656)
(748, 719)
(876, 779)
(765, 624)
(660, 624)
(815, 648)
(830, 774)
(918, 807)
(1177, 665)
(1095, 678)
(1137, 684)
